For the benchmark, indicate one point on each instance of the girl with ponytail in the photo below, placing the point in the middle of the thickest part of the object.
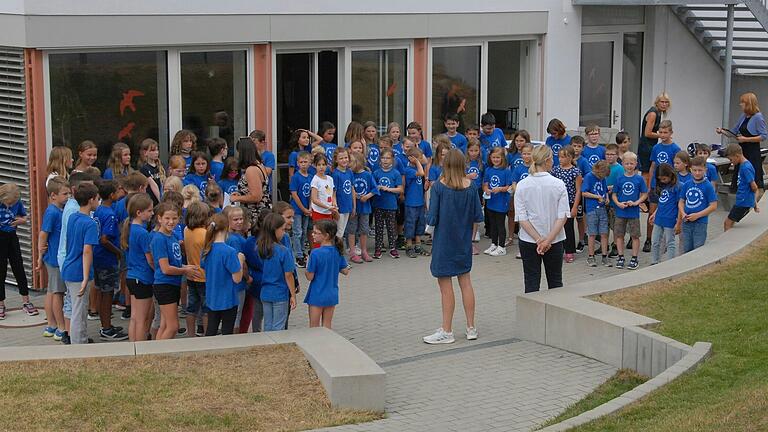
(223, 267)
(135, 240)
(325, 264)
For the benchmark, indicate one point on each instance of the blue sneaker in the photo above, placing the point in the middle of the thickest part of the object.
(49, 331)
(59, 335)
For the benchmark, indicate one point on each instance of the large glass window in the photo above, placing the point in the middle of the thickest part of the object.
(213, 95)
(596, 97)
(632, 84)
(379, 86)
(504, 68)
(455, 85)
(107, 98)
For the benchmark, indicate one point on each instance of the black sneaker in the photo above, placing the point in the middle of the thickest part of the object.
(620, 263)
(93, 316)
(199, 331)
(301, 262)
(181, 332)
(65, 339)
(580, 247)
(614, 252)
(633, 264)
(400, 243)
(112, 334)
(647, 246)
(410, 253)
(126, 315)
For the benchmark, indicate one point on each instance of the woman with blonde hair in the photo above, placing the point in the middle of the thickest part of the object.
(649, 126)
(59, 163)
(541, 209)
(750, 130)
(454, 208)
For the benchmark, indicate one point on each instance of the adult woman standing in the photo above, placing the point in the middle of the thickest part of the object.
(648, 138)
(541, 209)
(252, 189)
(454, 207)
(750, 130)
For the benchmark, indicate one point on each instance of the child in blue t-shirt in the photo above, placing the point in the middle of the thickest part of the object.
(325, 264)
(443, 146)
(705, 150)
(223, 267)
(230, 176)
(48, 246)
(497, 187)
(136, 241)
(557, 139)
(199, 173)
(490, 136)
(415, 216)
(327, 132)
(277, 273)
(666, 219)
(628, 193)
(345, 192)
(301, 188)
(662, 152)
(520, 171)
(236, 239)
(12, 214)
(594, 190)
(389, 181)
(682, 164)
(105, 260)
(169, 268)
(746, 187)
(458, 140)
(697, 200)
(299, 142)
(218, 149)
(77, 267)
(593, 152)
(358, 225)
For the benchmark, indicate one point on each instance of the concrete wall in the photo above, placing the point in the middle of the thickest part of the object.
(694, 81)
(741, 84)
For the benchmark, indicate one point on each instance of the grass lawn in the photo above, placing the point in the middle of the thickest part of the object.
(727, 305)
(261, 389)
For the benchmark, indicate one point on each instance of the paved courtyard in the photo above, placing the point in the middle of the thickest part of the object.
(494, 383)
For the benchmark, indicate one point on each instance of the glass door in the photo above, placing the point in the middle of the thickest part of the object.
(601, 73)
(307, 87)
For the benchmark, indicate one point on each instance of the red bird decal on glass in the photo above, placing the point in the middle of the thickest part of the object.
(126, 131)
(127, 101)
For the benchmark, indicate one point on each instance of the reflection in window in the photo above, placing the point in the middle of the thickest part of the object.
(108, 97)
(595, 99)
(455, 85)
(213, 95)
(379, 83)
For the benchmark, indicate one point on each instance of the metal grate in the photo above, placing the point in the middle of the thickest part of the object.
(14, 160)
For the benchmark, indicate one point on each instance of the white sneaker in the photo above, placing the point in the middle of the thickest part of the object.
(471, 333)
(499, 251)
(477, 237)
(440, 336)
(490, 249)
(357, 250)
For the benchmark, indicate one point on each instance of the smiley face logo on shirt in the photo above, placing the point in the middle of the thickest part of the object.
(694, 197)
(419, 180)
(628, 189)
(556, 148)
(495, 181)
(6, 216)
(306, 189)
(361, 186)
(231, 189)
(519, 162)
(347, 187)
(473, 170)
(597, 189)
(664, 197)
(662, 157)
(385, 181)
(593, 159)
(176, 249)
(373, 155)
(523, 175)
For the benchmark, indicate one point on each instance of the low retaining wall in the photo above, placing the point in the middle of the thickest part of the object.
(351, 379)
(565, 318)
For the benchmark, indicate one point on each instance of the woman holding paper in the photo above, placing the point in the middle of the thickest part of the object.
(750, 130)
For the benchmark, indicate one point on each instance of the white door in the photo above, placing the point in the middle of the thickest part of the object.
(601, 71)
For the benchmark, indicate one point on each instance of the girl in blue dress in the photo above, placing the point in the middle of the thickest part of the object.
(454, 207)
(325, 264)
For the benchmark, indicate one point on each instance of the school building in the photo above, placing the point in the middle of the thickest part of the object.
(110, 71)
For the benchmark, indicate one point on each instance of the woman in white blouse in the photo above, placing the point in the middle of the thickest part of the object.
(541, 208)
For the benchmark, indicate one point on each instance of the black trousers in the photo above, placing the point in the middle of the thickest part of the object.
(11, 251)
(385, 220)
(225, 318)
(570, 236)
(497, 227)
(553, 265)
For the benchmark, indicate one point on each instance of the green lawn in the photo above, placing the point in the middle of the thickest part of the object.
(728, 306)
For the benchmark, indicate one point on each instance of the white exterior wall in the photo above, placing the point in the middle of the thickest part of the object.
(694, 81)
